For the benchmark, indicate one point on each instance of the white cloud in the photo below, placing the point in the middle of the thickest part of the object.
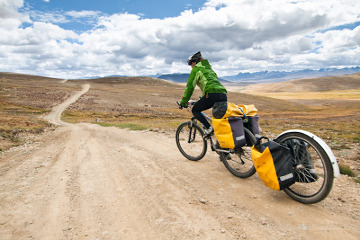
(235, 36)
(82, 14)
(10, 18)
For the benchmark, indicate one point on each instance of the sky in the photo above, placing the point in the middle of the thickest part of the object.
(84, 38)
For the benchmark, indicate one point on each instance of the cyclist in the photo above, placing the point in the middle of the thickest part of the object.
(213, 91)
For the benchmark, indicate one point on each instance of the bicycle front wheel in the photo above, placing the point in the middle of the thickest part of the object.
(239, 161)
(190, 141)
(312, 166)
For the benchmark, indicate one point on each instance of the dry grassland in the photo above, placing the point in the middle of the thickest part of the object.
(23, 99)
(149, 103)
(353, 94)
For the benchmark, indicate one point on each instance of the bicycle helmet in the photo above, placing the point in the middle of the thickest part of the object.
(195, 58)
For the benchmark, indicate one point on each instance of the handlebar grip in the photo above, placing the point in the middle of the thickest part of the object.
(178, 103)
(190, 103)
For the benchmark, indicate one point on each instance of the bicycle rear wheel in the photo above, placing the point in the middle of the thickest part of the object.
(190, 141)
(239, 161)
(312, 166)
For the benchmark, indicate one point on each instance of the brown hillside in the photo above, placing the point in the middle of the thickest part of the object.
(34, 91)
(145, 81)
(345, 82)
(152, 97)
(146, 101)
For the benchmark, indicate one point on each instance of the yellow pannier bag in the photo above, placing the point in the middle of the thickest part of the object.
(229, 132)
(228, 123)
(226, 109)
(265, 168)
(233, 111)
(249, 110)
(273, 163)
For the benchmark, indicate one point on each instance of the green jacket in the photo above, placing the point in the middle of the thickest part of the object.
(207, 80)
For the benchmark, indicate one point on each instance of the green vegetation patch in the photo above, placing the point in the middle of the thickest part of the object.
(17, 120)
(140, 121)
(130, 126)
(346, 170)
(333, 130)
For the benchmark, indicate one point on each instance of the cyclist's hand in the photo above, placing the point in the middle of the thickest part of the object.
(182, 106)
(186, 105)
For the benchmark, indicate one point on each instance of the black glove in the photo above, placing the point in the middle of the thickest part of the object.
(182, 106)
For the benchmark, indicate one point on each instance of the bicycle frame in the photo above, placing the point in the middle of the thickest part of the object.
(207, 117)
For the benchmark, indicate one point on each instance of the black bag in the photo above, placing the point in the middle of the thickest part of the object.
(219, 109)
(252, 124)
(273, 163)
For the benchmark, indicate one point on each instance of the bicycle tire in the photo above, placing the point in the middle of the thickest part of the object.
(312, 167)
(190, 141)
(239, 161)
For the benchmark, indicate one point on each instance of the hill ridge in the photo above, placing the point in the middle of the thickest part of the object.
(345, 82)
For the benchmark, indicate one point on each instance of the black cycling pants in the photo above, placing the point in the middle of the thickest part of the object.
(205, 103)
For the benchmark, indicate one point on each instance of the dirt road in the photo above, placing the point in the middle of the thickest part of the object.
(83, 181)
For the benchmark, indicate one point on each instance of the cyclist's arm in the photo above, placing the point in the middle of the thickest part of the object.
(190, 86)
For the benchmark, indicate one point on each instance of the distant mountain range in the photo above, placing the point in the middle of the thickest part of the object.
(267, 76)
(257, 77)
(176, 77)
(183, 78)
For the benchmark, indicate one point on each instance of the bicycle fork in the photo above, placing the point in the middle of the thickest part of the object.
(192, 132)
(214, 144)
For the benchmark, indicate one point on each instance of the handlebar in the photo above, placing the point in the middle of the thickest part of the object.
(190, 103)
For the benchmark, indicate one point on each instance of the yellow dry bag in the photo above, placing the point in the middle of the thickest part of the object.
(273, 163)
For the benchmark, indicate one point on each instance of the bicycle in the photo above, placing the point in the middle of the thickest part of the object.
(193, 145)
(315, 165)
